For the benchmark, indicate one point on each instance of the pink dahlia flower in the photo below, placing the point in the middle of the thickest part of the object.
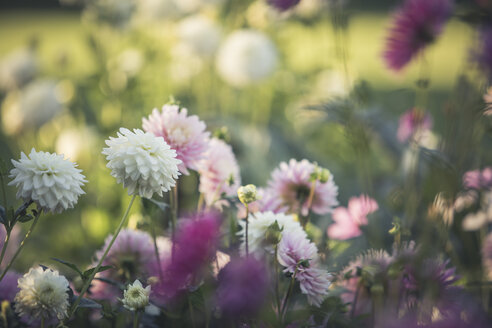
(300, 256)
(289, 188)
(185, 134)
(411, 122)
(130, 255)
(349, 220)
(416, 25)
(219, 173)
(195, 246)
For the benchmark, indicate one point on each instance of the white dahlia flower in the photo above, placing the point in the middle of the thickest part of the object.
(245, 57)
(136, 297)
(51, 181)
(43, 294)
(258, 226)
(17, 69)
(144, 163)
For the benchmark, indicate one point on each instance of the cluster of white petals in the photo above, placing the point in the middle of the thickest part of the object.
(258, 226)
(136, 297)
(144, 163)
(43, 294)
(49, 180)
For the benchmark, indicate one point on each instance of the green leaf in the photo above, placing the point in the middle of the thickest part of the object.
(70, 265)
(88, 303)
(25, 218)
(162, 206)
(88, 273)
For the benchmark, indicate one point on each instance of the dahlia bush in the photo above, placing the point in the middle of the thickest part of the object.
(256, 163)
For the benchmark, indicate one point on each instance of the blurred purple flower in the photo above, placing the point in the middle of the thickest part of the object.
(8, 286)
(283, 5)
(348, 220)
(130, 255)
(477, 179)
(416, 25)
(195, 246)
(290, 185)
(242, 287)
(411, 122)
(15, 239)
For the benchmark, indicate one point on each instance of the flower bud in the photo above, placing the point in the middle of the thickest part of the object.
(136, 297)
(273, 234)
(247, 194)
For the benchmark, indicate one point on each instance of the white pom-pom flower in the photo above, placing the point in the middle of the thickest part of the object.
(247, 56)
(136, 297)
(43, 294)
(47, 179)
(144, 163)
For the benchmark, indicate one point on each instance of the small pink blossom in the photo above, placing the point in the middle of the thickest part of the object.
(185, 134)
(219, 173)
(349, 220)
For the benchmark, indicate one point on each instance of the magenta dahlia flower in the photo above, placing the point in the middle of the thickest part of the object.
(219, 173)
(130, 255)
(411, 122)
(283, 5)
(242, 287)
(185, 134)
(300, 256)
(289, 188)
(195, 246)
(349, 220)
(416, 25)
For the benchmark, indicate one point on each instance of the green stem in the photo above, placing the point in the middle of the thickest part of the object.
(136, 319)
(88, 282)
(192, 314)
(277, 294)
(42, 322)
(246, 231)
(156, 250)
(174, 215)
(5, 244)
(289, 292)
(36, 218)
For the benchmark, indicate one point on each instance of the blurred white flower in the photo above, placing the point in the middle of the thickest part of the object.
(136, 297)
(245, 57)
(33, 106)
(43, 294)
(331, 83)
(258, 226)
(144, 163)
(75, 143)
(185, 63)
(49, 180)
(17, 69)
(130, 62)
(201, 34)
(475, 221)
